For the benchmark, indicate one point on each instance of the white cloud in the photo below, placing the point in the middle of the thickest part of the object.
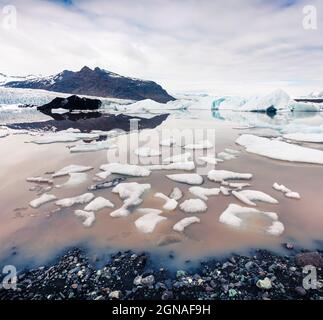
(215, 46)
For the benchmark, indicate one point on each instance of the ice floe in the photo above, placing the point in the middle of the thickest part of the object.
(184, 157)
(193, 206)
(75, 179)
(44, 198)
(39, 180)
(64, 137)
(210, 160)
(225, 191)
(204, 193)
(235, 216)
(280, 150)
(69, 202)
(4, 133)
(186, 166)
(148, 222)
(182, 224)
(99, 203)
(249, 196)
(176, 194)
(147, 152)
(92, 147)
(170, 204)
(305, 137)
(148, 210)
(126, 169)
(87, 216)
(220, 175)
(287, 192)
(103, 175)
(226, 156)
(71, 169)
(189, 178)
(236, 185)
(232, 151)
(205, 144)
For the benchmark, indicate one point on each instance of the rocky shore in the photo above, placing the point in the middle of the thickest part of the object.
(128, 275)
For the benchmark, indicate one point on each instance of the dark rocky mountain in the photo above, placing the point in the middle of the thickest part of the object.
(97, 82)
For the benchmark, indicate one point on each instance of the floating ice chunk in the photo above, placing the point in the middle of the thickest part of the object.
(71, 169)
(189, 178)
(186, 166)
(225, 191)
(64, 137)
(147, 223)
(237, 185)
(126, 169)
(280, 150)
(220, 175)
(249, 196)
(88, 217)
(147, 152)
(82, 199)
(204, 193)
(39, 180)
(167, 142)
(149, 210)
(226, 156)
(121, 212)
(170, 204)
(193, 206)
(234, 216)
(185, 157)
(92, 147)
(176, 194)
(232, 151)
(4, 133)
(305, 107)
(44, 198)
(103, 175)
(182, 224)
(75, 179)
(99, 203)
(206, 144)
(287, 192)
(305, 137)
(131, 193)
(210, 160)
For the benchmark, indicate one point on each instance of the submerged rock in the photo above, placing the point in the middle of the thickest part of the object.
(309, 258)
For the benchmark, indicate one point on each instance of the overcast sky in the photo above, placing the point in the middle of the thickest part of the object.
(215, 46)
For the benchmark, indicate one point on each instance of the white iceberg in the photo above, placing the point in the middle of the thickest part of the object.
(305, 137)
(92, 147)
(189, 178)
(236, 185)
(44, 198)
(184, 157)
(148, 222)
(226, 156)
(98, 204)
(193, 206)
(148, 210)
(182, 224)
(71, 169)
(82, 199)
(39, 180)
(4, 133)
(64, 137)
(75, 179)
(126, 169)
(235, 216)
(225, 191)
(103, 175)
(220, 175)
(88, 217)
(206, 144)
(147, 152)
(186, 166)
(204, 193)
(176, 194)
(210, 160)
(232, 151)
(279, 150)
(287, 192)
(170, 204)
(249, 196)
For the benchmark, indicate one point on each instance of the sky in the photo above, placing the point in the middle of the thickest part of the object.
(212, 46)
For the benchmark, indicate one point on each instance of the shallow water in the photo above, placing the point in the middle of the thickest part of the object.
(38, 234)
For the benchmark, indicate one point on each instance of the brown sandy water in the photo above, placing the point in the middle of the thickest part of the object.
(39, 233)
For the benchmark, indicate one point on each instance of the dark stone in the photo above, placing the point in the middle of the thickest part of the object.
(72, 103)
(97, 82)
(309, 258)
(300, 291)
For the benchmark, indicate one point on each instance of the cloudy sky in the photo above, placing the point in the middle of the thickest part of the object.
(215, 46)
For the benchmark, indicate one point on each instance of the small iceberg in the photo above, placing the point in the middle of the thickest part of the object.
(44, 198)
(98, 204)
(249, 196)
(176, 194)
(147, 152)
(39, 180)
(206, 144)
(92, 147)
(193, 206)
(69, 202)
(64, 137)
(88, 217)
(75, 179)
(188, 178)
(226, 156)
(170, 204)
(184, 223)
(210, 160)
(204, 193)
(71, 169)
(221, 175)
(148, 222)
(287, 192)
(279, 150)
(184, 157)
(305, 137)
(126, 169)
(186, 166)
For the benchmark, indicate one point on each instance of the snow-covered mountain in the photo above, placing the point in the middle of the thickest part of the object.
(96, 82)
(4, 79)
